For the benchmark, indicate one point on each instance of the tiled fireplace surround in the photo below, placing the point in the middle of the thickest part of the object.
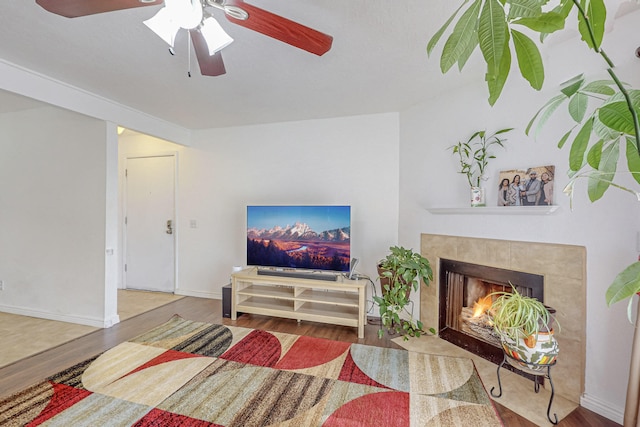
(564, 271)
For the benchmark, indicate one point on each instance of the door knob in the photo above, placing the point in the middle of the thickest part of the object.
(169, 228)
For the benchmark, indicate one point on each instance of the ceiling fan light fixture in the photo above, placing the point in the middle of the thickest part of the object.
(187, 14)
(216, 38)
(162, 24)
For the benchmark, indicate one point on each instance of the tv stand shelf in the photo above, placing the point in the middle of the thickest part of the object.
(339, 302)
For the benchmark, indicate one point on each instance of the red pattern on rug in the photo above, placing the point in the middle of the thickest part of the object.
(160, 418)
(373, 410)
(64, 397)
(352, 373)
(258, 348)
(167, 356)
(307, 352)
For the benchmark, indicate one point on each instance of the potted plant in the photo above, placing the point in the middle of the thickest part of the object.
(399, 272)
(474, 156)
(524, 325)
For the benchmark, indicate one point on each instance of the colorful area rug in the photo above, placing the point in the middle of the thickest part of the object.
(186, 373)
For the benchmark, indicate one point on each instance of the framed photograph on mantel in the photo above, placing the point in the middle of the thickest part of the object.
(526, 187)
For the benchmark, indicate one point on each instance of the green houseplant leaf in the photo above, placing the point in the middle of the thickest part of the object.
(579, 146)
(545, 23)
(529, 59)
(625, 285)
(469, 49)
(564, 139)
(572, 86)
(595, 154)
(616, 116)
(436, 37)
(525, 9)
(603, 131)
(492, 36)
(578, 106)
(546, 110)
(496, 83)
(602, 87)
(633, 159)
(464, 33)
(596, 12)
(607, 166)
(615, 113)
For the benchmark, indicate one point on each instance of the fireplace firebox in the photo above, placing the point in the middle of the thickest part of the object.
(465, 295)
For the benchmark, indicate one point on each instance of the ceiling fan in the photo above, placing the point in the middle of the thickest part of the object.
(206, 34)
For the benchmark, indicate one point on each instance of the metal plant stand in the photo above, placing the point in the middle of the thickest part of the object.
(541, 371)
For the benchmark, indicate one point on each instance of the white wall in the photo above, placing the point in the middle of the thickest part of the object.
(606, 228)
(351, 161)
(53, 216)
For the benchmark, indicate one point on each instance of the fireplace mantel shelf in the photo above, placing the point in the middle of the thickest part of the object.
(496, 210)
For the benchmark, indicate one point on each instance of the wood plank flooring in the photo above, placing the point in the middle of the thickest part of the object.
(25, 372)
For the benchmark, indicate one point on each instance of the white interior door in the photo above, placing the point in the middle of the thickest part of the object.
(150, 223)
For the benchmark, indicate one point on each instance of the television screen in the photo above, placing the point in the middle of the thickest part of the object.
(305, 237)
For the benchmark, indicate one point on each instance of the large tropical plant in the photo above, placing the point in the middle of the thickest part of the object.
(604, 111)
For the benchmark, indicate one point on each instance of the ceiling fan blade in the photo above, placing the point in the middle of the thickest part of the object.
(210, 65)
(282, 29)
(76, 8)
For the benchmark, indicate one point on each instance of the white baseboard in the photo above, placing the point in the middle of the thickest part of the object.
(81, 320)
(199, 294)
(112, 321)
(606, 409)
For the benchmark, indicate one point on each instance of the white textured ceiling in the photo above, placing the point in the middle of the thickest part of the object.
(378, 61)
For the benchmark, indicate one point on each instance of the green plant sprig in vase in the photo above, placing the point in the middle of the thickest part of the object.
(474, 155)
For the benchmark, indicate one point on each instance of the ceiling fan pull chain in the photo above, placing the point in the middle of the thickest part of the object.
(189, 54)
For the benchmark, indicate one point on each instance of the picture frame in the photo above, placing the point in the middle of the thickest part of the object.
(532, 186)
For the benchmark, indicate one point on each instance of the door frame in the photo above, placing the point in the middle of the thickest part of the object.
(176, 233)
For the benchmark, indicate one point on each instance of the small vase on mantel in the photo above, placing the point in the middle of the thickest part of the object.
(477, 197)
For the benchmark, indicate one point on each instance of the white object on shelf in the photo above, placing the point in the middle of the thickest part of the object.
(497, 210)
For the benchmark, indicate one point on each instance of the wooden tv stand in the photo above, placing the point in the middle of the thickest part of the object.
(340, 302)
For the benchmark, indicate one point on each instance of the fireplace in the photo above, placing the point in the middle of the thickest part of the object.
(466, 292)
(562, 269)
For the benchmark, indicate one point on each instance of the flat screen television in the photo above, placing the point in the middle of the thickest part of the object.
(299, 237)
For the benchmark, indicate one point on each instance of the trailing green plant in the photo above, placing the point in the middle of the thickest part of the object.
(400, 271)
(519, 317)
(604, 111)
(474, 155)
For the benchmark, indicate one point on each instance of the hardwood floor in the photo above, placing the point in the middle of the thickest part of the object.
(25, 372)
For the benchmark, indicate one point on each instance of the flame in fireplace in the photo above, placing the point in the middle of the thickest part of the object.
(481, 306)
